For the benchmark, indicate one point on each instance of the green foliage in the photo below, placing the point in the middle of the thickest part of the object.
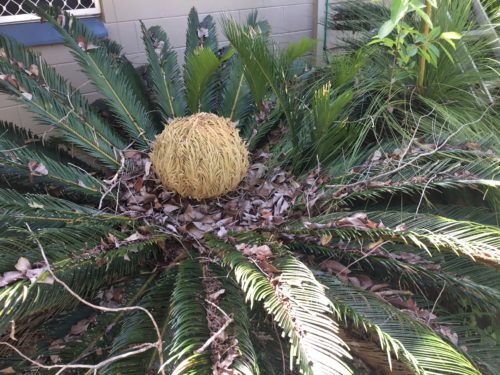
(386, 234)
(55, 103)
(164, 72)
(187, 322)
(153, 294)
(236, 100)
(22, 162)
(456, 99)
(264, 70)
(423, 43)
(325, 111)
(299, 307)
(103, 67)
(396, 332)
(201, 64)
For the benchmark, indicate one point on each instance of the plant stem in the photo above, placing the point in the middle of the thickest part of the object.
(421, 61)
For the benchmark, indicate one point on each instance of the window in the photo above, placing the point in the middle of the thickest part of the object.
(13, 11)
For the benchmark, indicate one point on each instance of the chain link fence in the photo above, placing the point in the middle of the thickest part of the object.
(17, 11)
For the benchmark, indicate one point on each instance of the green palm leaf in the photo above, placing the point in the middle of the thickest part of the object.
(20, 161)
(236, 101)
(297, 303)
(233, 304)
(164, 72)
(200, 65)
(153, 294)
(398, 333)
(188, 322)
(24, 299)
(100, 65)
(46, 210)
(55, 103)
(424, 231)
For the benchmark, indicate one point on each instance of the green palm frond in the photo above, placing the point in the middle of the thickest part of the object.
(55, 103)
(463, 237)
(257, 135)
(64, 242)
(84, 346)
(233, 304)
(258, 61)
(440, 168)
(32, 167)
(272, 359)
(188, 322)
(164, 72)
(296, 50)
(200, 66)
(23, 299)
(259, 26)
(427, 232)
(46, 210)
(297, 303)
(464, 212)
(192, 37)
(476, 272)
(237, 103)
(353, 16)
(456, 290)
(427, 281)
(153, 294)
(101, 66)
(477, 339)
(265, 70)
(423, 350)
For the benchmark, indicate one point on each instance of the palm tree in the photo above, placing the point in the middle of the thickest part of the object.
(355, 262)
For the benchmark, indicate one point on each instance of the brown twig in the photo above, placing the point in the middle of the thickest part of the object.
(114, 181)
(136, 350)
(217, 334)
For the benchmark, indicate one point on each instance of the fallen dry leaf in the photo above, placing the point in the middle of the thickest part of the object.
(325, 239)
(37, 169)
(23, 265)
(8, 370)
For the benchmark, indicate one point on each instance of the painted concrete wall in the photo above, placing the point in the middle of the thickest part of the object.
(290, 20)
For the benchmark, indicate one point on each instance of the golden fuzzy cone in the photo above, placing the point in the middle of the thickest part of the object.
(200, 156)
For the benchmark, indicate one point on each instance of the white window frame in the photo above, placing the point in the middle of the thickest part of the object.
(24, 18)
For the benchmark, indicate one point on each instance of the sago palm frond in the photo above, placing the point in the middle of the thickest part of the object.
(101, 65)
(22, 163)
(55, 103)
(398, 333)
(297, 303)
(423, 231)
(188, 322)
(164, 72)
(380, 255)
(136, 328)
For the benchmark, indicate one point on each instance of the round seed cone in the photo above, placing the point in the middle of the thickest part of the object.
(200, 156)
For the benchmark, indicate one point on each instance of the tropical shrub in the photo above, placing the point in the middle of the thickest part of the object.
(459, 87)
(361, 263)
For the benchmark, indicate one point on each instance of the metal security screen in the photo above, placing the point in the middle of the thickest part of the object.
(14, 11)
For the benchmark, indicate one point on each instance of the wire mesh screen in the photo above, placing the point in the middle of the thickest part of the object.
(16, 10)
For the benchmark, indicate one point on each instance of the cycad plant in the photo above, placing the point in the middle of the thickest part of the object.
(362, 263)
